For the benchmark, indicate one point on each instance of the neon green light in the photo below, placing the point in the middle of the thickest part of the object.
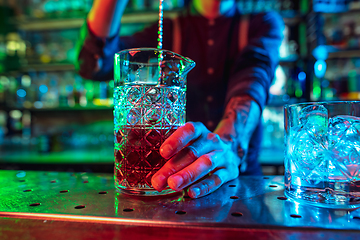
(298, 93)
(317, 91)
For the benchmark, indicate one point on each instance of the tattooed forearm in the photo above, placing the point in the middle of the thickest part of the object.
(238, 109)
(240, 118)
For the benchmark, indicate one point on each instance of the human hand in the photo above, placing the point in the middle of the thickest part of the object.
(198, 157)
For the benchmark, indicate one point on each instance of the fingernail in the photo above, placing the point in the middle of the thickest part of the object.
(159, 182)
(175, 182)
(166, 151)
(194, 192)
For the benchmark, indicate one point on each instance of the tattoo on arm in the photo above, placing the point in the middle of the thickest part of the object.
(239, 111)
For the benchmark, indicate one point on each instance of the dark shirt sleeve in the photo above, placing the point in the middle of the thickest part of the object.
(95, 55)
(255, 66)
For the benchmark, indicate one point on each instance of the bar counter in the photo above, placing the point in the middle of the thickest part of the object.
(66, 205)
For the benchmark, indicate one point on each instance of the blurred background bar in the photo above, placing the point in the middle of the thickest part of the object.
(52, 119)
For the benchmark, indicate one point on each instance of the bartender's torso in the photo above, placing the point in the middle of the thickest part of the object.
(213, 45)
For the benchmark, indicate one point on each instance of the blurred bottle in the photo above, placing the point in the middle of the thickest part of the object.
(11, 46)
(56, 52)
(32, 94)
(79, 95)
(2, 53)
(351, 37)
(11, 96)
(51, 99)
(44, 143)
(352, 81)
(110, 92)
(3, 126)
(24, 93)
(44, 53)
(63, 102)
(41, 89)
(15, 50)
(69, 82)
(70, 95)
(15, 122)
(26, 122)
(89, 91)
(295, 85)
(4, 85)
(69, 50)
(103, 90)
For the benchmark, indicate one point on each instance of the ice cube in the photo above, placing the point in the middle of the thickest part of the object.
(343, 125)
(307, 153)
(344, 145)
(171, 72)
(315, 120)
(308, 143)
(147, 75)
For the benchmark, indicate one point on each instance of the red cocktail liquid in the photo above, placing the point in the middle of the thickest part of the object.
(137, 156)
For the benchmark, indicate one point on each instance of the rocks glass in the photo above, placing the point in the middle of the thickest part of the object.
(322, 153)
